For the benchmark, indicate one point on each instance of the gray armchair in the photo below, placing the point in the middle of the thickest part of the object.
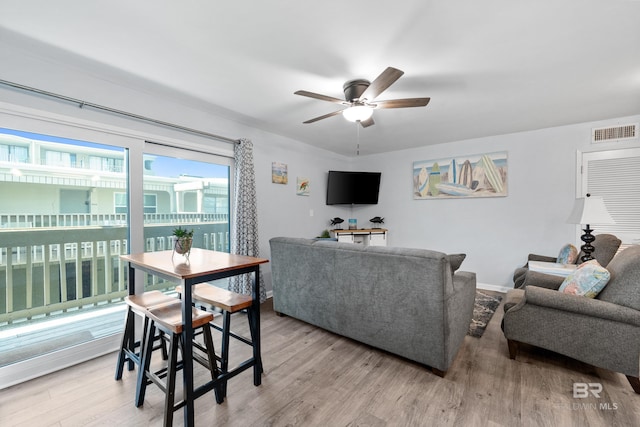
(604, 332)
(606, 246)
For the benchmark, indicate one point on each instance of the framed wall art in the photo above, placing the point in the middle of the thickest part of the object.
(279, 173)
(302, 186)
(480, 175)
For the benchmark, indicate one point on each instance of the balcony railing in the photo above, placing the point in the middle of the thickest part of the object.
(50, 270)
(29, 220)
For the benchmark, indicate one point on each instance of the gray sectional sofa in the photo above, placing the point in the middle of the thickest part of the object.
(406, 301)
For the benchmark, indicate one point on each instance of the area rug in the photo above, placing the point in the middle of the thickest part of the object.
(483, 309)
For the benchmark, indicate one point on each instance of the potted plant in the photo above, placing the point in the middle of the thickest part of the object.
(324, 235)
(184, 240)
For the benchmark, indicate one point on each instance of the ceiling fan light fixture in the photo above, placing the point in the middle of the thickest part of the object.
(357, 113)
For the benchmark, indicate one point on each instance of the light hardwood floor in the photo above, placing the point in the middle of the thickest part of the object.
(315, 378)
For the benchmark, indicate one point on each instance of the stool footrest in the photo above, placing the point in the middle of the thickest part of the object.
(232, 334)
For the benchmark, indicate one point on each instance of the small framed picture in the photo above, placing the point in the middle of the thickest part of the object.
(279, 174)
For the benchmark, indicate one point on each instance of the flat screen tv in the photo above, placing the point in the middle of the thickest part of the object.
(353, 188)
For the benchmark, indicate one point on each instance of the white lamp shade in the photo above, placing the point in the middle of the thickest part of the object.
(357, 113)
(590, 210)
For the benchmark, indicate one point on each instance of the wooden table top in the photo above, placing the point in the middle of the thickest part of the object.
(359, 230)
(200, 262)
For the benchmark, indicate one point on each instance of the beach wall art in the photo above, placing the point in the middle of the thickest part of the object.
(480, 175)
(279, 174)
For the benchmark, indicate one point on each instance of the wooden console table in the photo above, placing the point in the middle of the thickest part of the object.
(363, 236)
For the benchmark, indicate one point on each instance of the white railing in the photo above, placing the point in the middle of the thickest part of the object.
(188, 218)
(45, 271)
(30, 220)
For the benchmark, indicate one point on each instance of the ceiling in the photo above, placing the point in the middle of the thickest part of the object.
(490, 68)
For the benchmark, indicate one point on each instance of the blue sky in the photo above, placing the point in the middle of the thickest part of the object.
(173, 167)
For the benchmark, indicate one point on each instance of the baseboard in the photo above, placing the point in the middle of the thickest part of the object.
(494, 288)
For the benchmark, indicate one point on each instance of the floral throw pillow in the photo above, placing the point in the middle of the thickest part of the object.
(568, 254)
(587, 280)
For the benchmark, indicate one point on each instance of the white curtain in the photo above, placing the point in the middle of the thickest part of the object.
(245, 212)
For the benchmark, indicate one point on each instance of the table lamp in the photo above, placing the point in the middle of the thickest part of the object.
(589, 210)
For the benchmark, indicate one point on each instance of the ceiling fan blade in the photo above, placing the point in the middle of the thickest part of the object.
(381, 83)
(402, 103)
(326, 116)
(368, 122)
(319, 96)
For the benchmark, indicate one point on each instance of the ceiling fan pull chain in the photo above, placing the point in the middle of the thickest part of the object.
(357, 138)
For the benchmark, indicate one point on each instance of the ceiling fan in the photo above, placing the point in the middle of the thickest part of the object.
(359, 98)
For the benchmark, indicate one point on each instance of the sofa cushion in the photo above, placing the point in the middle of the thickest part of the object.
(455, 260)
(587, 280)
(606, 246)
(568, 254)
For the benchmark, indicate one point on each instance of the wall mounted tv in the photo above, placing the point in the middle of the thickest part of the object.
(353, 188)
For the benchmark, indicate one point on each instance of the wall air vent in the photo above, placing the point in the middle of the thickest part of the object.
(614, 133)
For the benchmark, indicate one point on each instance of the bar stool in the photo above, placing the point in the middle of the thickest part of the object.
(168, 319)
(138, 305)
(230, 302)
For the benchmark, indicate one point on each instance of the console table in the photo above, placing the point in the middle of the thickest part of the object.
(363, 236)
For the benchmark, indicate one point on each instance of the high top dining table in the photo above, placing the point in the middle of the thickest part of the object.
(202, 265)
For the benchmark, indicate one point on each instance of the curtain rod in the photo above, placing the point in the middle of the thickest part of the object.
(83, 104)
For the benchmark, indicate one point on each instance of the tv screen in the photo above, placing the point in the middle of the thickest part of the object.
(353, 188)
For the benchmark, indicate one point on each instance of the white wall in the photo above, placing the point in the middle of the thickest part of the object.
(495, 233)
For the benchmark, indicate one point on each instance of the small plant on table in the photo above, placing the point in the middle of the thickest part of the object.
(184, 240)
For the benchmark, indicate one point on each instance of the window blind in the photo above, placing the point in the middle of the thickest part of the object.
(615, 175)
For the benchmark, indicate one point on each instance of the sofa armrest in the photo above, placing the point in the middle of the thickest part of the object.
(580, 305)
(542, 280)
(463, 280)
(543, 258)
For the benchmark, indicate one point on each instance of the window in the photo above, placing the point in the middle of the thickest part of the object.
(120, 203)
(615, 175)
(60, 245)
(106, 164)
(191, 191)
(13, 153)
(150, 203)
(65, 220)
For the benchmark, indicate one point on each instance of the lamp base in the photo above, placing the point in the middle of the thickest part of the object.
(587, 248)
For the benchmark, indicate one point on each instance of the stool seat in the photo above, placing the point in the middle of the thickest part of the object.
(169, 315)
(147, 300)
(218, 297)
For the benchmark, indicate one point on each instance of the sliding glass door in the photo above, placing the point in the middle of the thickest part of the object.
(65, 219)
(186, 189)
(60, 240)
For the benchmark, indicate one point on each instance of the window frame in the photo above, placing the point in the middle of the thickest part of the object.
(29, 119)
(615, 196)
